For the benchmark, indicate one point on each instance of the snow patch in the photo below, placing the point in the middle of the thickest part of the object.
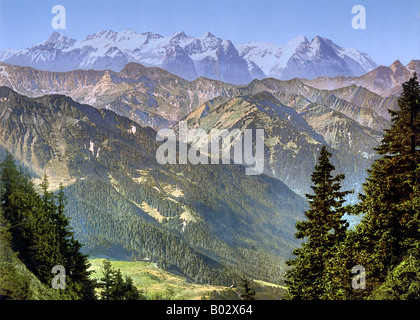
(4, 72)
(91, 148)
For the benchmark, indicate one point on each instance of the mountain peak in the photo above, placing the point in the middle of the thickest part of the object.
(296, 41)
(179, 36)
(396, 64)
(318, 39)
(301, 38)
(58, 41)
(133, 70)
(129, 31)
(208, 34)
(414, 66)
(54, 36)
(108, 49)
(105, 34)
(57, 37)
(151, 35)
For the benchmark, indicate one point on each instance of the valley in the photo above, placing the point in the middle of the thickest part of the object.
(96, 132)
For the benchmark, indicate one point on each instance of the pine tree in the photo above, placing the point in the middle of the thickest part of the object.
(20, 204)
(130, 291)
(77, 266)
(107, 281)
(118, 292)
(40, 232)
(113, 285)
(389, 231)
(248, 294)
(324, 229)
(46, 241)
(338, 270)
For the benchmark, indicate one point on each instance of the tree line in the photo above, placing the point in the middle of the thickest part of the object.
(379, 258)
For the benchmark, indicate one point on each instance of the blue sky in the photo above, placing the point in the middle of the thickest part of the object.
(392, 26)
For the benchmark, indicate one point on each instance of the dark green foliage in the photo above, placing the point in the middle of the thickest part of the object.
(337, 282)
(114, 287)
(226, 294)
(130, 292)
(248, 292)
(13, 286)
(402, 282)
(324, 229)
(107, 281)
(39, 232)
(389, 231)
(386, 243)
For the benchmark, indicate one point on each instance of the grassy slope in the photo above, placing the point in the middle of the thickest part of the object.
(153, 281)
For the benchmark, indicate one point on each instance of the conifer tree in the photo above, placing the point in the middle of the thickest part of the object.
(107, 281)
(389, 231)
(130, 291)
(323, 230)
(249, 294)
(20, 204)
(39, 231)
(113, 285)
(117, 292)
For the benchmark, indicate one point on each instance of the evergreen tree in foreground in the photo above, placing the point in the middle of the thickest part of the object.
(107, 280)
(324, 229)
(39, 231)
(388, 237)
(114, 287)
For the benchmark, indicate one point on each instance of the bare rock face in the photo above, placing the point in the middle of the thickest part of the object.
(385, 81)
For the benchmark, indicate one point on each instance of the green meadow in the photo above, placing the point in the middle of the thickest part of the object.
(156, 283)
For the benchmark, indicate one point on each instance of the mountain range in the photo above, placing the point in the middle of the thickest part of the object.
(124, 204)
(192, 57)
(297, 117)
(87, 113)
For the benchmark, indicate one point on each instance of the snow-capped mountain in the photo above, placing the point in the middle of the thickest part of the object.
(191, 57)
(306, 59)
